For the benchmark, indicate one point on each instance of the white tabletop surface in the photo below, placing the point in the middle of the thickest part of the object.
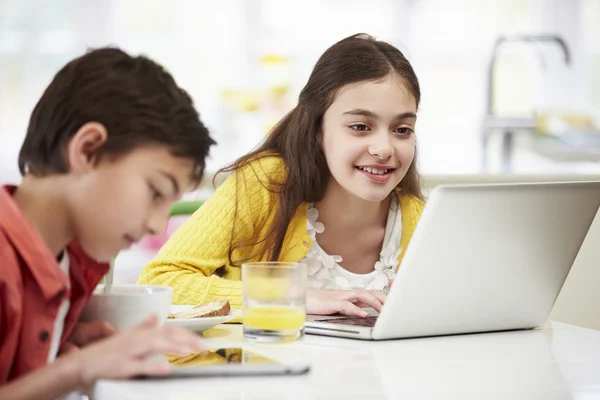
(557, 362)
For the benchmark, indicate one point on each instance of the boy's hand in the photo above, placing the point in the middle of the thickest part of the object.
(125, 355)
(86, 333)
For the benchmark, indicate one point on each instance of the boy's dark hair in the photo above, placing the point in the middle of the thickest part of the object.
(137, 101)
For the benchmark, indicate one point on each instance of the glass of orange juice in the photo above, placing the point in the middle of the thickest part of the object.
(274, 301)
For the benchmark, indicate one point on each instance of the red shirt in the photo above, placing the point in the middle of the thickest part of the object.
(32, 287)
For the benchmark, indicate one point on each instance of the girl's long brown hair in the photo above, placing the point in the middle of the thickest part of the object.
(296, 138)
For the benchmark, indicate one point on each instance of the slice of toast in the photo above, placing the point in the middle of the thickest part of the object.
(217, 308)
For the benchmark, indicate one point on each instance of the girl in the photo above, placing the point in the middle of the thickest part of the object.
(334, 185)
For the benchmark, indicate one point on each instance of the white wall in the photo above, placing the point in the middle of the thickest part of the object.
(579, 300)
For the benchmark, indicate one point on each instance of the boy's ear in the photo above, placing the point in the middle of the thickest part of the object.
(81, 150)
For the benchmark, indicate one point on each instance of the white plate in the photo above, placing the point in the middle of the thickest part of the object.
(200, 324)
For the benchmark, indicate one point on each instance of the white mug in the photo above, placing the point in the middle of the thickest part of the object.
(127, 306)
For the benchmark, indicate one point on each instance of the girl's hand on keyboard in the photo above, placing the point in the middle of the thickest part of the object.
(348, 302)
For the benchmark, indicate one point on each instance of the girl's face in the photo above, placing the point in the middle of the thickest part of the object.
(369, 137)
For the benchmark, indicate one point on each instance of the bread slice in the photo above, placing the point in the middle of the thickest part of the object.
(217, 308)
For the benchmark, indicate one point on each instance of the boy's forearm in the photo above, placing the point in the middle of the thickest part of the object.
(49, 382)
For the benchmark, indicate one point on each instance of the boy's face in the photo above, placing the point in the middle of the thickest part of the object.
(116, 202)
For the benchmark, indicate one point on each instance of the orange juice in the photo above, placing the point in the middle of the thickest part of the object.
(273, 318)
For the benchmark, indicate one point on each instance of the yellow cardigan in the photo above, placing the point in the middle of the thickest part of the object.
(188, 260)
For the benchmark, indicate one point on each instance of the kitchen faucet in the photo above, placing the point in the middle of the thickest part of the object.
(508, 125)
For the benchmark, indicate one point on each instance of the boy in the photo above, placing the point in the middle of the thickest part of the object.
(111, 144)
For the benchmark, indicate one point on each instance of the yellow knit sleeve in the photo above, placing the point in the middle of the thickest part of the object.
(195, 260)
(412, 208)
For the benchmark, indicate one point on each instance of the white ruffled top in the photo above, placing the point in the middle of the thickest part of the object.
(324, 270)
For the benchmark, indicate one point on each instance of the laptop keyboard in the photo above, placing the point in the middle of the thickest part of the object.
(357, 321)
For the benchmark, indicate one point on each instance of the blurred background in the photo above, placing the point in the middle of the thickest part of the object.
(245, 61)
(510, 88)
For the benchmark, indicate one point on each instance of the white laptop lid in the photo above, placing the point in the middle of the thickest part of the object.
(488, 258)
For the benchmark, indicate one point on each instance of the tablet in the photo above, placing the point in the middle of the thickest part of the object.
(235, 361)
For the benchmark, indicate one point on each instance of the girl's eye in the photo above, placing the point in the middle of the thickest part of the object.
(405, 131)
(359, 127)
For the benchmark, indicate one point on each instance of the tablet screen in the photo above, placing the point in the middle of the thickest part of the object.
(234, 355)
(231, 362)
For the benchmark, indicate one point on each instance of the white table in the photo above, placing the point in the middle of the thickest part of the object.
(558, 362)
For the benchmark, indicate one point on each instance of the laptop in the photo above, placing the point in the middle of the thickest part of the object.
(483, 258)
